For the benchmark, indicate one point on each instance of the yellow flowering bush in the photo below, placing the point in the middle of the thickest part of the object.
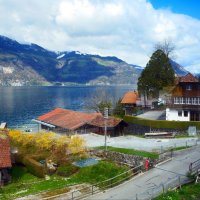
(47, 142)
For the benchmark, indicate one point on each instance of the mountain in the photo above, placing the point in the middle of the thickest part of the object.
(178, 69)
(30, 64)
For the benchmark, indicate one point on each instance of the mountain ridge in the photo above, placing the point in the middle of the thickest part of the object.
(31, 64)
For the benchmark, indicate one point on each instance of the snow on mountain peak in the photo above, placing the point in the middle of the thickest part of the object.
(61, 56)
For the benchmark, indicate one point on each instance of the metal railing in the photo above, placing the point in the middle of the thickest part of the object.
(177, 146)
(162, 188)
(100, 186)
(95, 188)
(194, 166)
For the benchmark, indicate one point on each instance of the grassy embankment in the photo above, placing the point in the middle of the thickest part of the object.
(23, 183)
(188, 192)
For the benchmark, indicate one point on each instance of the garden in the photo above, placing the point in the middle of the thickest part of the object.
(44, 165)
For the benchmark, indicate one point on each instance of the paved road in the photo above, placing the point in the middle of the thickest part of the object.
(147, 185)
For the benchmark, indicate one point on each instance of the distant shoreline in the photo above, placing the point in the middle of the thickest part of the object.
(70, 85)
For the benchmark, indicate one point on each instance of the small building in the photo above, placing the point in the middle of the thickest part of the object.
(184, 103)
(129, 101)
(114, 126)
(3, 125)
(5, 158)
(68, 121)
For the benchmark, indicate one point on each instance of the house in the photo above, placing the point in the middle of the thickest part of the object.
(63, 121)
(129, 101)
(184, 104)
(5, 158)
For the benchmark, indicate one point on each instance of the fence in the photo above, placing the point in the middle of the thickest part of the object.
(177, 145)
(194, 166)
(95, 188)
(162, 188)
(107, 183)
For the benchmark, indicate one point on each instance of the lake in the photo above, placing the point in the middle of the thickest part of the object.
(19, 105)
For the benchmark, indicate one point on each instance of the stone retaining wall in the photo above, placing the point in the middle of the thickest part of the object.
(130, 160)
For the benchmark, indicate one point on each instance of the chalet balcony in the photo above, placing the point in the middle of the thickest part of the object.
(184, 102)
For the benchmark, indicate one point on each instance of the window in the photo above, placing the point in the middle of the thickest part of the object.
(180, 113)
(176, 100)
(188, 87)
(185, 113)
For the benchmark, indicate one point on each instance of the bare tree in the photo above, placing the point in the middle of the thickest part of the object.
(167, 46)
(99, 101)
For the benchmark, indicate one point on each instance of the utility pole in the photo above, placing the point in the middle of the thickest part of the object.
(105, 126)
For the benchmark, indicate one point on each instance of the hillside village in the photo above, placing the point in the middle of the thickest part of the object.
(99, 100)
(74, 153)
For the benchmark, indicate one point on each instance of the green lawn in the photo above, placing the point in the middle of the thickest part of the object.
(189, 192)
(184, 136)
(23, 183)
(97, 173)
(131, 152)
(179, 148)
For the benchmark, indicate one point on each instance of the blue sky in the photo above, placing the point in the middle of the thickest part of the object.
(128, 29)
(187, 7)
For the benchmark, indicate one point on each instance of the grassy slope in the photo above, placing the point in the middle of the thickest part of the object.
(23, 183)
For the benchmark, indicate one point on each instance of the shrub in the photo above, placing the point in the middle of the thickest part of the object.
(182, 125)
(67, 170)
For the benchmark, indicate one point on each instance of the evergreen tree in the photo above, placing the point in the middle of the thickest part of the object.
(157, 75)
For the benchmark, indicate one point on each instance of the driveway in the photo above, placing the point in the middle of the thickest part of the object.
(132, 142)
(154, 114)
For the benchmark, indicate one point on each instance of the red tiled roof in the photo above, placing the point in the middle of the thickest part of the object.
(5, 159)
(130, 97)
(100, 122)
(67, 119)
(189, 78)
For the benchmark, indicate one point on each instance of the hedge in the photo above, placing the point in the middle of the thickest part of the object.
(161, 123)
(32, 165)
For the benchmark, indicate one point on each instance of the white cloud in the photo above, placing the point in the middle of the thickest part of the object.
(124, 28)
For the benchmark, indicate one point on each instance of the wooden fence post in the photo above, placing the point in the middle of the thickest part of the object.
(163, 188)
(72, 195)
(92, 189)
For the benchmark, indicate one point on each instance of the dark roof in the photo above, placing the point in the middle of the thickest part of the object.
(67, 119)
(189, 78)
(5, 159)
(99, 121)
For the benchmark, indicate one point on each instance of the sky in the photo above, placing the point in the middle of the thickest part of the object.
(127, 29)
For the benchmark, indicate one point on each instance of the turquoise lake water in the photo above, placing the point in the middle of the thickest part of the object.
(19, 105)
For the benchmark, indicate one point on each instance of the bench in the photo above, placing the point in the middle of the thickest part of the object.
(160, 135)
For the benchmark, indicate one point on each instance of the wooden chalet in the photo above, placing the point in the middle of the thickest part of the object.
(184, 104)
(129, 101)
